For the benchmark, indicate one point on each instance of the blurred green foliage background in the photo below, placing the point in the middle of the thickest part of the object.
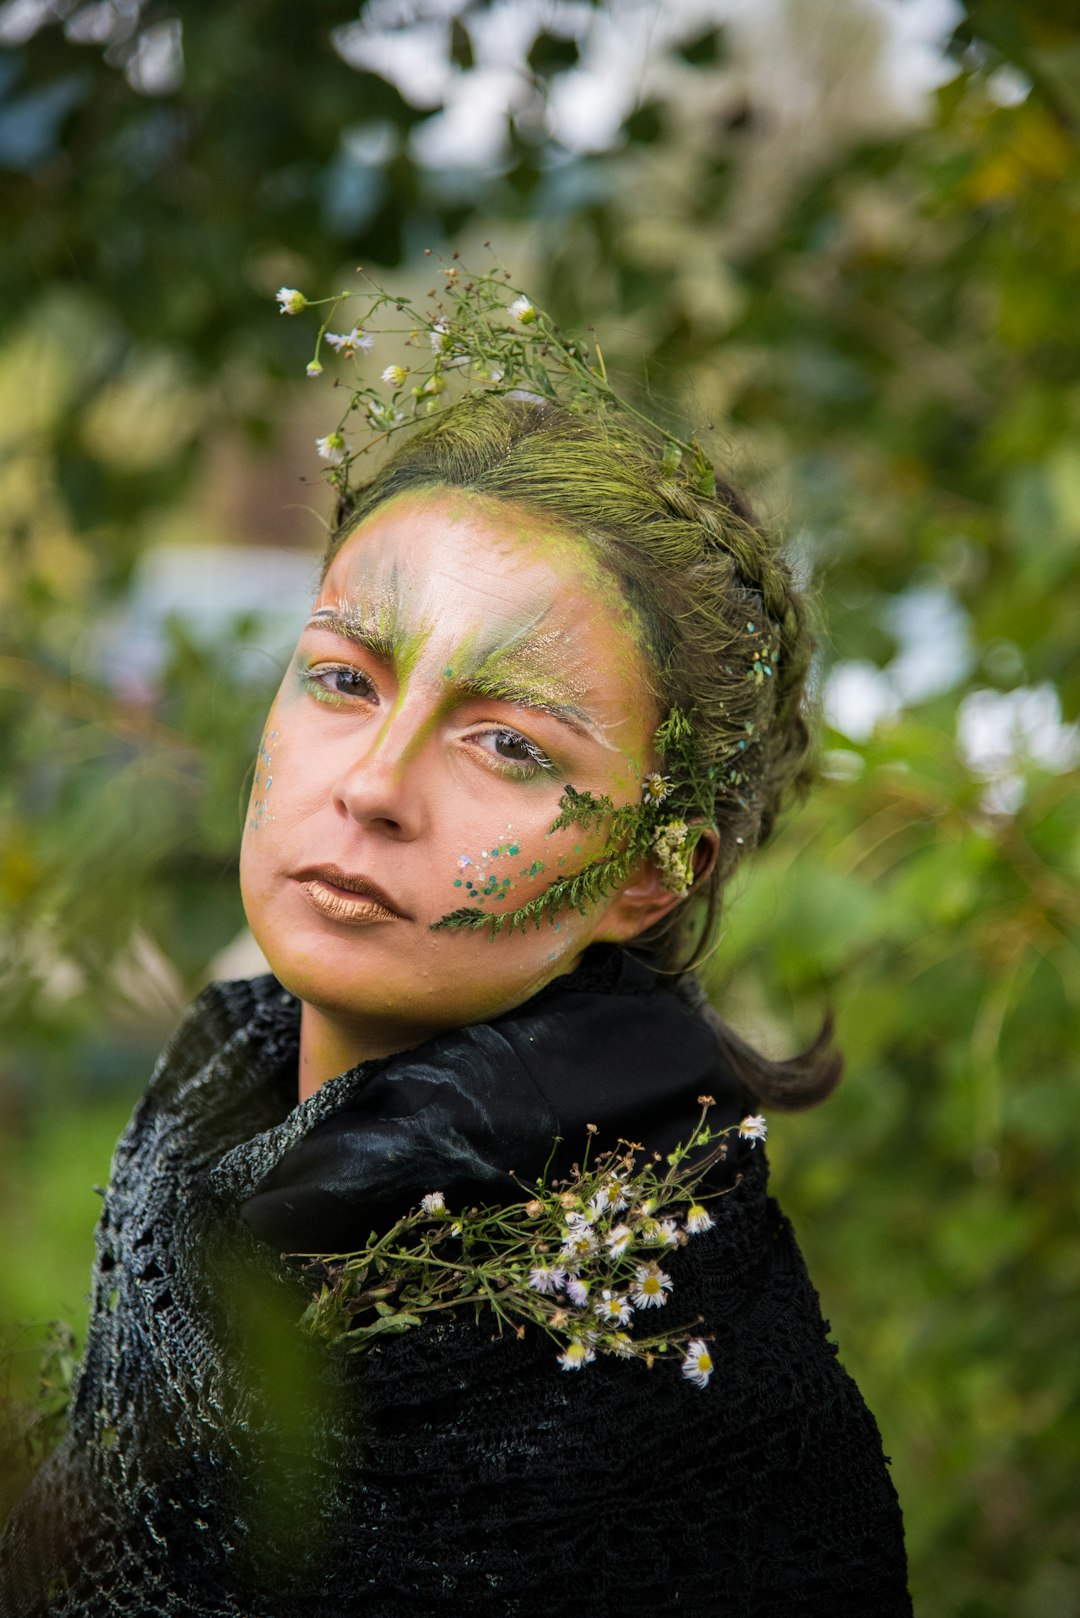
(846, 235)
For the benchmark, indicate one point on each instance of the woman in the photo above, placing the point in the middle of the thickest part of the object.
(511, 611)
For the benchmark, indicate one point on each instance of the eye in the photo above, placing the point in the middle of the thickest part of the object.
(515, 749)
(341, 680)
(508, 744)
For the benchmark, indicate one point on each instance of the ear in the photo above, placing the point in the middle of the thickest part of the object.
(645, 900)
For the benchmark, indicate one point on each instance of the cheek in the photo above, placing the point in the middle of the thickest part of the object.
(490, 873)
(259, 811)
(509, 864)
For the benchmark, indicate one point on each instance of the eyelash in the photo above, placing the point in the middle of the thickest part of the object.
(519, 769)
(515, 770)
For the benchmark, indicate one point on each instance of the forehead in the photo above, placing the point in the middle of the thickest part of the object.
(425, 540)
(449, 562)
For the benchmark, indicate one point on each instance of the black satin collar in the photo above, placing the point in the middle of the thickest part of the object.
(477, 1109)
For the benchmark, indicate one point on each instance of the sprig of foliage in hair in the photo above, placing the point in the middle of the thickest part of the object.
(477, 331)
(675, 809)
(581, 1258)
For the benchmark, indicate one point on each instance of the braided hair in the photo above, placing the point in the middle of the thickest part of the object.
(724, 624)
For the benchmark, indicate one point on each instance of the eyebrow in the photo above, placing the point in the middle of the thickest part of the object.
(383, 645)
(375, 638)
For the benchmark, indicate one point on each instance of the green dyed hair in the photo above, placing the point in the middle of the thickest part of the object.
(725, 627)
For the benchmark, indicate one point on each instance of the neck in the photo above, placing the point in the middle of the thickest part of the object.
(331, 1045)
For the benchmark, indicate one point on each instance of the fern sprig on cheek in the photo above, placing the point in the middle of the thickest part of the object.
(627, 843)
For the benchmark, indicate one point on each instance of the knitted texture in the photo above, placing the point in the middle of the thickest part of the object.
(219, 1464)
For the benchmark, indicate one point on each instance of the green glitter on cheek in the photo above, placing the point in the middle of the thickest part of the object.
(482, 883)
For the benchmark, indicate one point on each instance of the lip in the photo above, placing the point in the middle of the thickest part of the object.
(347, 895)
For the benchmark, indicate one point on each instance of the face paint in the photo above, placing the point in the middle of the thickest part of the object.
(258, 811)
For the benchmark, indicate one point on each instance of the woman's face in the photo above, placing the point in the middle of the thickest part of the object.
(463, 662)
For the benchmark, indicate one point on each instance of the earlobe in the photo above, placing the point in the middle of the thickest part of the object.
(646, 899)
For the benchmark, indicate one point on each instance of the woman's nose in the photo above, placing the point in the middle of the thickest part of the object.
(380, 787)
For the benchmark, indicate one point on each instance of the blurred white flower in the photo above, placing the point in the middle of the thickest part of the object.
(546, 1278)
(609, 1199)
(1000, 733)
(394, 375)
(523, 311)
(331, 448)
(660, 1233)
(578, 1354)
(618, 1239)
(698, 1219)
(612, 1308)
(651, 1287)
(698, 1364)
(291, 301)
(753, 1128)
(433, 1203)
(655, 788)
(858, 696)
(576, 1249)
(350, 343)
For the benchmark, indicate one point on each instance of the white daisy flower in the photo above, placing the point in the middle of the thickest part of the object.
(291, 301)
(523, 311)
(331, 448)
(698, 1364)
(314, 368)
(660, 1233)
(753, 1128)
(577, 1291)
(575, 1250)
(645, 1209)
(622, 1344)
(650, 1288)
(618, 1239)
(434, 384)
(578, 1353)
(440, 337)
(395, 375)
(351, 342)
(611, 1198)
(433, 1203)
(546, 1278)
(382, 415)
(698, 1219)
(655, 788)
(613, 1309)
(578, 1222)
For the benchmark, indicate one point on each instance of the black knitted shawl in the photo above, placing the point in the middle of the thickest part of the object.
(219, 1464)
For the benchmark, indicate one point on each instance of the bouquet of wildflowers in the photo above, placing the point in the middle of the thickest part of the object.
(476, 329)
(583, 1259)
